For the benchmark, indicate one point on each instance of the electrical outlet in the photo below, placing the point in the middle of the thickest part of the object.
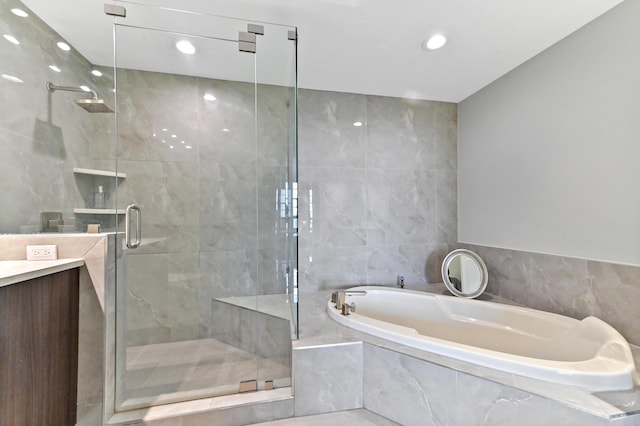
(44, 252)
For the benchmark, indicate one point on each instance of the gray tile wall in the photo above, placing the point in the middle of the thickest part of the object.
(327, 378)
(207, 189)
(255, 332)
(379, 200)
(414, 392)
(568, 286)
(44, 135)
(370, 208)
(202, 239)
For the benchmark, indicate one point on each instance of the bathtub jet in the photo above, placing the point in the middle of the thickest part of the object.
(589, 354)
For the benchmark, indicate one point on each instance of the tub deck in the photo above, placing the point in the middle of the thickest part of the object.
(588, 354)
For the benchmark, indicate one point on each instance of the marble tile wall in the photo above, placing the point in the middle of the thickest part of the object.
(567, 286)
(198, 202)
(378, 200)
(208, 192)
(327, 378)
(413, 392)
(412, 387)
(258, 333)
(44, 135)
(363, 229)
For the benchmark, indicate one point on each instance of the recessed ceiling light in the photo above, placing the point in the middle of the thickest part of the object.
(11, 39)
(19, 12)
(188, 146)
(54, 68)
(226, 130)
(96, 73)
(357, 123)
(209, 97)
(85, 88)
(186, 47)
(174, 136)
(12, 78)
(434, 42)
(63, 46)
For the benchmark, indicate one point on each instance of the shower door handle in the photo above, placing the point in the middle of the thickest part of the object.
(127, 226)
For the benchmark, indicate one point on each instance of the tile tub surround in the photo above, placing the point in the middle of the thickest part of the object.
(327, 378)
(413, 392)
(379, 200)
(390, 368)
(588, 354)
(573, 287)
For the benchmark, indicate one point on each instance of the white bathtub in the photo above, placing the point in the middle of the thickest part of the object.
(588, 354)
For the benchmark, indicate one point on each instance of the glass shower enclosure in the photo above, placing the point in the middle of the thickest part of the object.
(205, 130)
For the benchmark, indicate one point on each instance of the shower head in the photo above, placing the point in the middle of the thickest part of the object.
(92, 104)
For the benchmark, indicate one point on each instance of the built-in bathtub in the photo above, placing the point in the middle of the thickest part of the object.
(589, 354)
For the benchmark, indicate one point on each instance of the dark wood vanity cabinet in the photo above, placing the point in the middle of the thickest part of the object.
(39, 350)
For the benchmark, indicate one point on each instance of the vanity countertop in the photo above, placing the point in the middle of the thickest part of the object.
(15, 271)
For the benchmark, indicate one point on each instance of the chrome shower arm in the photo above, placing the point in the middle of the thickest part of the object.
(52, 88)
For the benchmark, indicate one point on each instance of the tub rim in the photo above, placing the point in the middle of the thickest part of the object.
(623, 377)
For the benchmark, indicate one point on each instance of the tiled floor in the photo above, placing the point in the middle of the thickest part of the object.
(351, 418)
(207, 366)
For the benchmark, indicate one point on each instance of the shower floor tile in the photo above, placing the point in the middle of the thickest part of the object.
(167, 370)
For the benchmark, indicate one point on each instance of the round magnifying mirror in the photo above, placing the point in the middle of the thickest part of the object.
(464, 273)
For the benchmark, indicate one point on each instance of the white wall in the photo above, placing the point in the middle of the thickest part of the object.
(548, 155)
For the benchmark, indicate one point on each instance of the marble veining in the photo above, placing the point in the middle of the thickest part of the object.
(327, 378)
(42, 131)
(568, 286)
(207, 195)
(377, 200)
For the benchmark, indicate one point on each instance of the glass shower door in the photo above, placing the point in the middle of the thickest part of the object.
(187, 141)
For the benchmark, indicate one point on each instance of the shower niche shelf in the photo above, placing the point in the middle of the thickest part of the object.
(95, 172)
(98, 175)
(98, 211)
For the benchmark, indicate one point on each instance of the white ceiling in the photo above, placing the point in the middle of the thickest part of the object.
(371, 46)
